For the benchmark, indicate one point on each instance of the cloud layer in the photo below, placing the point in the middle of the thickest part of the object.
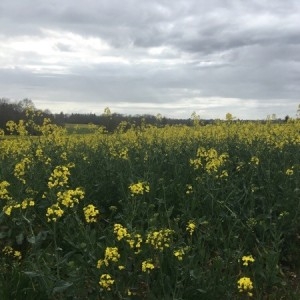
(166, 57)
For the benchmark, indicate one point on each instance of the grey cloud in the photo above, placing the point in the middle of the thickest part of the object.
(218, 48)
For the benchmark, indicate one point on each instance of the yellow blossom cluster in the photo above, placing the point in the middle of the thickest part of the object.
(8, 208)
(4, 194)
(189, 189)
(147, 265)
(90, 213)
(180, 252)
(20, 169)
(120, 231)
(245, 285)
(111, 254)
(139, 188)
(247, 259)
(190, 227)
(69, 197)
(134, 240)
(59, 177)
(209, 160)
(9, 251)
(54, 212)
(254, 160)
(106, 281)
(160, 239)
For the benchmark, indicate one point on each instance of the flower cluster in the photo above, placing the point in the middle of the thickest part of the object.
(147, 265)
(69, 197)
(20, 169)
(133, 239)
(54, 212)
(59, 177)
(254, 160)
(4, 194)
(9, 251)
(247, 259)
(106, 281)
(190, 227)
(120, 231)
(179, 253)
(139, 188)
(245, 285)
(90, 213)
(210, 161)
(159, 239)
(111, 254)
(289, 172)
(27, 202)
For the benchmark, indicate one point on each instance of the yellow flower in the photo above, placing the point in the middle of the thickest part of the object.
(106, 281)
(3, 190)
(59, 177)
(53, 212)
(254, 160)
(111, 254)
(139, 188)
(191, 226)
(120, 231)
(289, 172)
(179, 253)
(9, 251)
(160, 239)
(247, 259)
(7, 209)
(245, 285)
(147, 265)
(189, 189)
(69, 197)
(90, 213)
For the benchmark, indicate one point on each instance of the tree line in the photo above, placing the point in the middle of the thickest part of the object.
(15, 111)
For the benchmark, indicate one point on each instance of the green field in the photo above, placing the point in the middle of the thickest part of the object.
(202, 212)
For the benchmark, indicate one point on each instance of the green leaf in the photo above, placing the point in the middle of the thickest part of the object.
(20, 238)
(62, 285)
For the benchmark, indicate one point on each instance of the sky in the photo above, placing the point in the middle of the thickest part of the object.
(164, 57)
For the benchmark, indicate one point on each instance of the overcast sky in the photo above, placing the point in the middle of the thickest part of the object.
(150, 57)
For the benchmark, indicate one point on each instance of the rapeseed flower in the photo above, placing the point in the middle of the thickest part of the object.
(289, 172)
(4, 194)
(247, 259)
(120, 231)
(245, 285)
(9, 251)
(59, 176)
(179, 253)
(69, 197)
(139, 188)
(159, 239)
(147, 265)
(90, 213)
(54, 212)
(191, 226)
(106, 281)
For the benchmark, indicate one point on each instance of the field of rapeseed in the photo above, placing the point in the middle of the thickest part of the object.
(203, 212)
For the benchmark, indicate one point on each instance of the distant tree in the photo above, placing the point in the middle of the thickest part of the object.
(229, 117)
(195, 118)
